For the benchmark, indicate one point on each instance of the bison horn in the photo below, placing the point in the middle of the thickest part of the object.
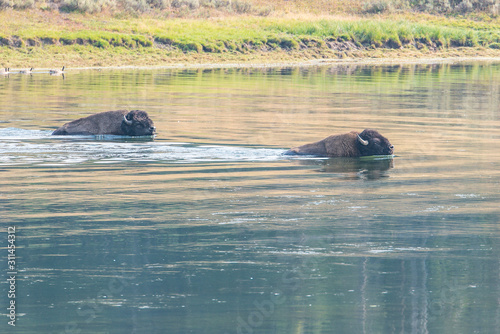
(127, 121)
(362, 141)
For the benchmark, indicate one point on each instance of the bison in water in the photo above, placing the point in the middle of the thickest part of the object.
(118, 122)
(352, 144)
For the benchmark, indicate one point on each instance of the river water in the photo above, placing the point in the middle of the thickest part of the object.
(208, 228)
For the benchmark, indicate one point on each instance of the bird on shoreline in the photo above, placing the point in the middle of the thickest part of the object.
(4, 71)
(56, 72)
(26, 71)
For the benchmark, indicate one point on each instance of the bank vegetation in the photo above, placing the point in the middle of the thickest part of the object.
(159, 32)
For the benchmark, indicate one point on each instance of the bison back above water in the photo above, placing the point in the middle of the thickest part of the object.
(352, 144)
(118, 122)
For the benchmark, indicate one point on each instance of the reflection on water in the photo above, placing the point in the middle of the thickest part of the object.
(208, 228)
(372, 168)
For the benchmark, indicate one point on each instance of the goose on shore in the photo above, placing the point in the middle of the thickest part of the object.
(4, 71)
(55, 72)
(26, 71)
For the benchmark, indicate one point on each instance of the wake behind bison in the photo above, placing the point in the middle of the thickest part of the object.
(352, 144)
(118, 122)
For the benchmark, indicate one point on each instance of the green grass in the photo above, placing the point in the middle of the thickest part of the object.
(224, 36)
(387, 33)
(102, 39)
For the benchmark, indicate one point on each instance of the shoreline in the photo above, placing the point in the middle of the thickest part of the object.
(52, 40)
(316, 62)
(289, 64)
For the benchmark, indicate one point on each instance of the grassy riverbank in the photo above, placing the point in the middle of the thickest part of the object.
(44, 38)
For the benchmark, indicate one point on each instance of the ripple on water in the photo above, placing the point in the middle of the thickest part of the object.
(34, 147)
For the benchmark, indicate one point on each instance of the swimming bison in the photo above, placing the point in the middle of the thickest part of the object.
(118, 122)
(352, 144)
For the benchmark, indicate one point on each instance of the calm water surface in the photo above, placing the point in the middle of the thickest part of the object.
(209, 229)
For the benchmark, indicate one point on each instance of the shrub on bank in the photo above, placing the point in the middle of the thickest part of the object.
(17, 4)
(258, 7)
(85, 6)
(138, 6)
(491, 7)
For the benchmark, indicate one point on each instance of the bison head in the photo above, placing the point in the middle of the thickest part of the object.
(137, 123)
(370, 142)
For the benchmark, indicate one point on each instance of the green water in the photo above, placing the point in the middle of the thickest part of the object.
(209, 229)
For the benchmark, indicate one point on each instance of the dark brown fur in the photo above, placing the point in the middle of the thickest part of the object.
(110, 123)
(347, 145)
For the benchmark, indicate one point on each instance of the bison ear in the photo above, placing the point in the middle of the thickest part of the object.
(362, 141)
(127, 121)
